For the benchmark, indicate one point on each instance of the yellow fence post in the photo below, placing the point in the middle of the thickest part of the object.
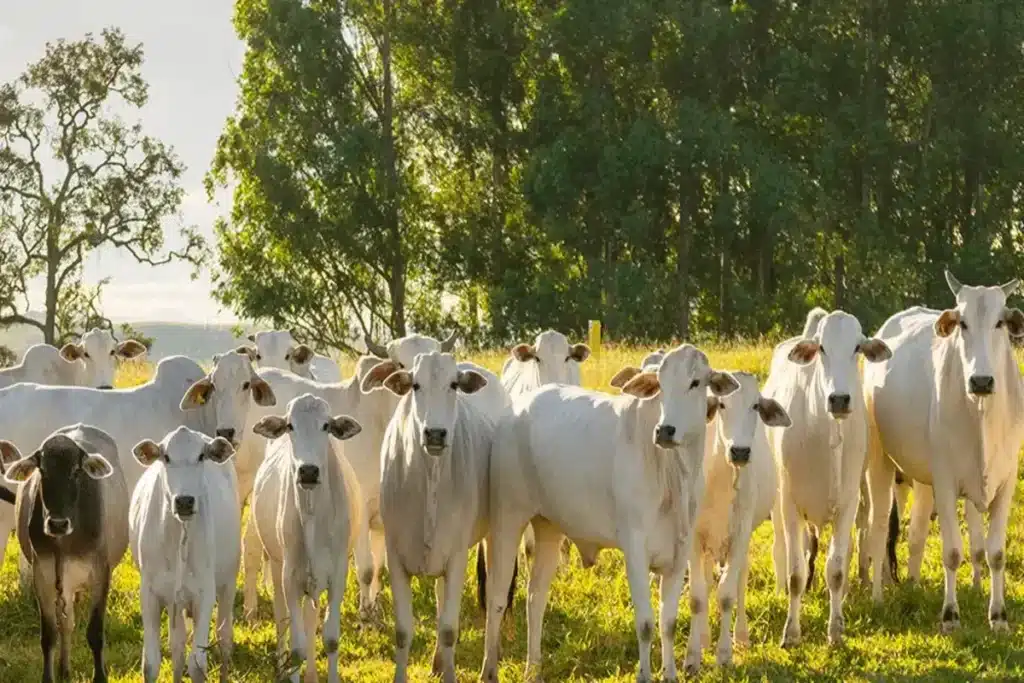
(594, 337)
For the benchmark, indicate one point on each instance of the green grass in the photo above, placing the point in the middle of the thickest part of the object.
(589, 632)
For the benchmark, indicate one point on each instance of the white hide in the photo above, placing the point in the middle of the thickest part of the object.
(90, 362)
(278, 349)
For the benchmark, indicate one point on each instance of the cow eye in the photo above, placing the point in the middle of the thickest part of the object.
(455, 385)
(85, 354)
(999, 325)
(694, 384)
(416, 386)
(259, 357)
(202, 456)
(326, 427)
(245, 386)
(963, 325)
(113, 353)
(287, 356)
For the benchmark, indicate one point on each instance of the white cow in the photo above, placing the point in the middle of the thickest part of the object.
(946, 409)
(362, 451)
(740, 485)
(185, 536)
(434, 492)
(278, 349)
(308, 510)
(551, 359)
(90, 362)
(177, 394)
(821, 458)
(639, 491)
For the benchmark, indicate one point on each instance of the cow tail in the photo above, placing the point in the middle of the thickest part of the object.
(481, 578)
(890, 543)
(813, 556)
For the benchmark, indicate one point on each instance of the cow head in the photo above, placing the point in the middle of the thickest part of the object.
(405, 349)
(682, 380)
(308, 422)
(62, 464)
(182, 458)
(835, 345)
(278, 349)
(433, 385)
(228, 388)
(980, 327)
(99, 353)
(557, 360)
(738, 414)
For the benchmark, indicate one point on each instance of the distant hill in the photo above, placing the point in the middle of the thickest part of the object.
(196, 341)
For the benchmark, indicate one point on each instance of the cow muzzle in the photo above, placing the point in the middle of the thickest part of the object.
(665, 436)
(228, 434)
(435, 441)
(105, 387)
(981, 385)
(739, 455)
(308, 476)
(184, 507)
(58, 526)
(839, 405)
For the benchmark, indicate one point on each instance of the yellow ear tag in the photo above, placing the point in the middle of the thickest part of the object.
(201, 399)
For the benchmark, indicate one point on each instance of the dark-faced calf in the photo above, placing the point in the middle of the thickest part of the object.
(72, 512)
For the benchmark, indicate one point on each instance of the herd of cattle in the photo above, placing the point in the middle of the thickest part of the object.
(418, 458)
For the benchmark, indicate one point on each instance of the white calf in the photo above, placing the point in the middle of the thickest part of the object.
(92, 362)
(821, 457)
(639, 490)
(306, 504)
(185, 535)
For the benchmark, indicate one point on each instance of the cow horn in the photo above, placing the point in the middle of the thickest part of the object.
(954, 284)
(1010, 287)
(374, 348)
(449, 343)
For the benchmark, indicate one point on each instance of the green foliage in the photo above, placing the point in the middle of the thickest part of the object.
(674, 169)
(74, 177)
(7, 356)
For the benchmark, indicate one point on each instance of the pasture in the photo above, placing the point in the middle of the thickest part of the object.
(589, 633)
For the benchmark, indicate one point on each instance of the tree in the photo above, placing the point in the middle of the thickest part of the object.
(74, 177)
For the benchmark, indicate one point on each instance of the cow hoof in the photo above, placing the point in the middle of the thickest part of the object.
(532, 674)
(836, 629)
(724, 656)
(790, 641)
(438, 664)
(1000, 626)
(692, 664)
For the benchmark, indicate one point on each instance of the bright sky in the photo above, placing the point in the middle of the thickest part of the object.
(192, 60)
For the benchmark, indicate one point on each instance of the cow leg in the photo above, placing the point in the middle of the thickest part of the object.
(779, 546)
(48, 634)
(638, 576)
(226, 627)
(837, 568)
(698, 613)
(546, 555)
(742, 635)
(917, 530)
(880, 474)
(151, 612)
(178, 637)
(198, 666)
(310, 611)
(280, 612)
(862, 524)
(671, 592)
(952, 547)
(796, 568)
(252, 558)
(437, 662)
(364, 566)
(24, 572)
(501, 553)
(999, 517)
(293, 595)
(448, 618)
(401, 595)
(94, 631)
(66, 626)
(332, 620)
(976, 541)
(730, 588)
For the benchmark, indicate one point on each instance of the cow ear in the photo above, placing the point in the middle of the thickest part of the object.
(471, 381)
(96, 466)
(713, 405)
(579, 352)
(399, 383)
(197, 395)
(524, 353)
(374, 378)
(875, 350)
(804, 351)
(72, 352)
(9, 454)
(343, 427)
(272, 426)
(643, 385)
(947, 322)
(624, 375)
(772, 413)
(302, 354)
(130, 348)
(147, 452)
(22, 469)
(262, 394)
(219, 450)
(252, 338)
(249, 351)
(722, 383)
(1014, 320)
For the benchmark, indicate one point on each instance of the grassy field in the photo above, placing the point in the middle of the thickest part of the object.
(589, 632)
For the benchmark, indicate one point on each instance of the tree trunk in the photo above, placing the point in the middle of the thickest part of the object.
(396, 286)
(52, 266)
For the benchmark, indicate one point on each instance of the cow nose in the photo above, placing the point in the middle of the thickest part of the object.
(184, 506)
(739, 455)
(105, 387)
(58, 527)
(228, 434)
(839, 404)
(982, 385)
(309, 475)
(435, 438)
(665, 434)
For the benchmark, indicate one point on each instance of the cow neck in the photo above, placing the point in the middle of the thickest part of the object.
(188, 544)
(316, 516)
